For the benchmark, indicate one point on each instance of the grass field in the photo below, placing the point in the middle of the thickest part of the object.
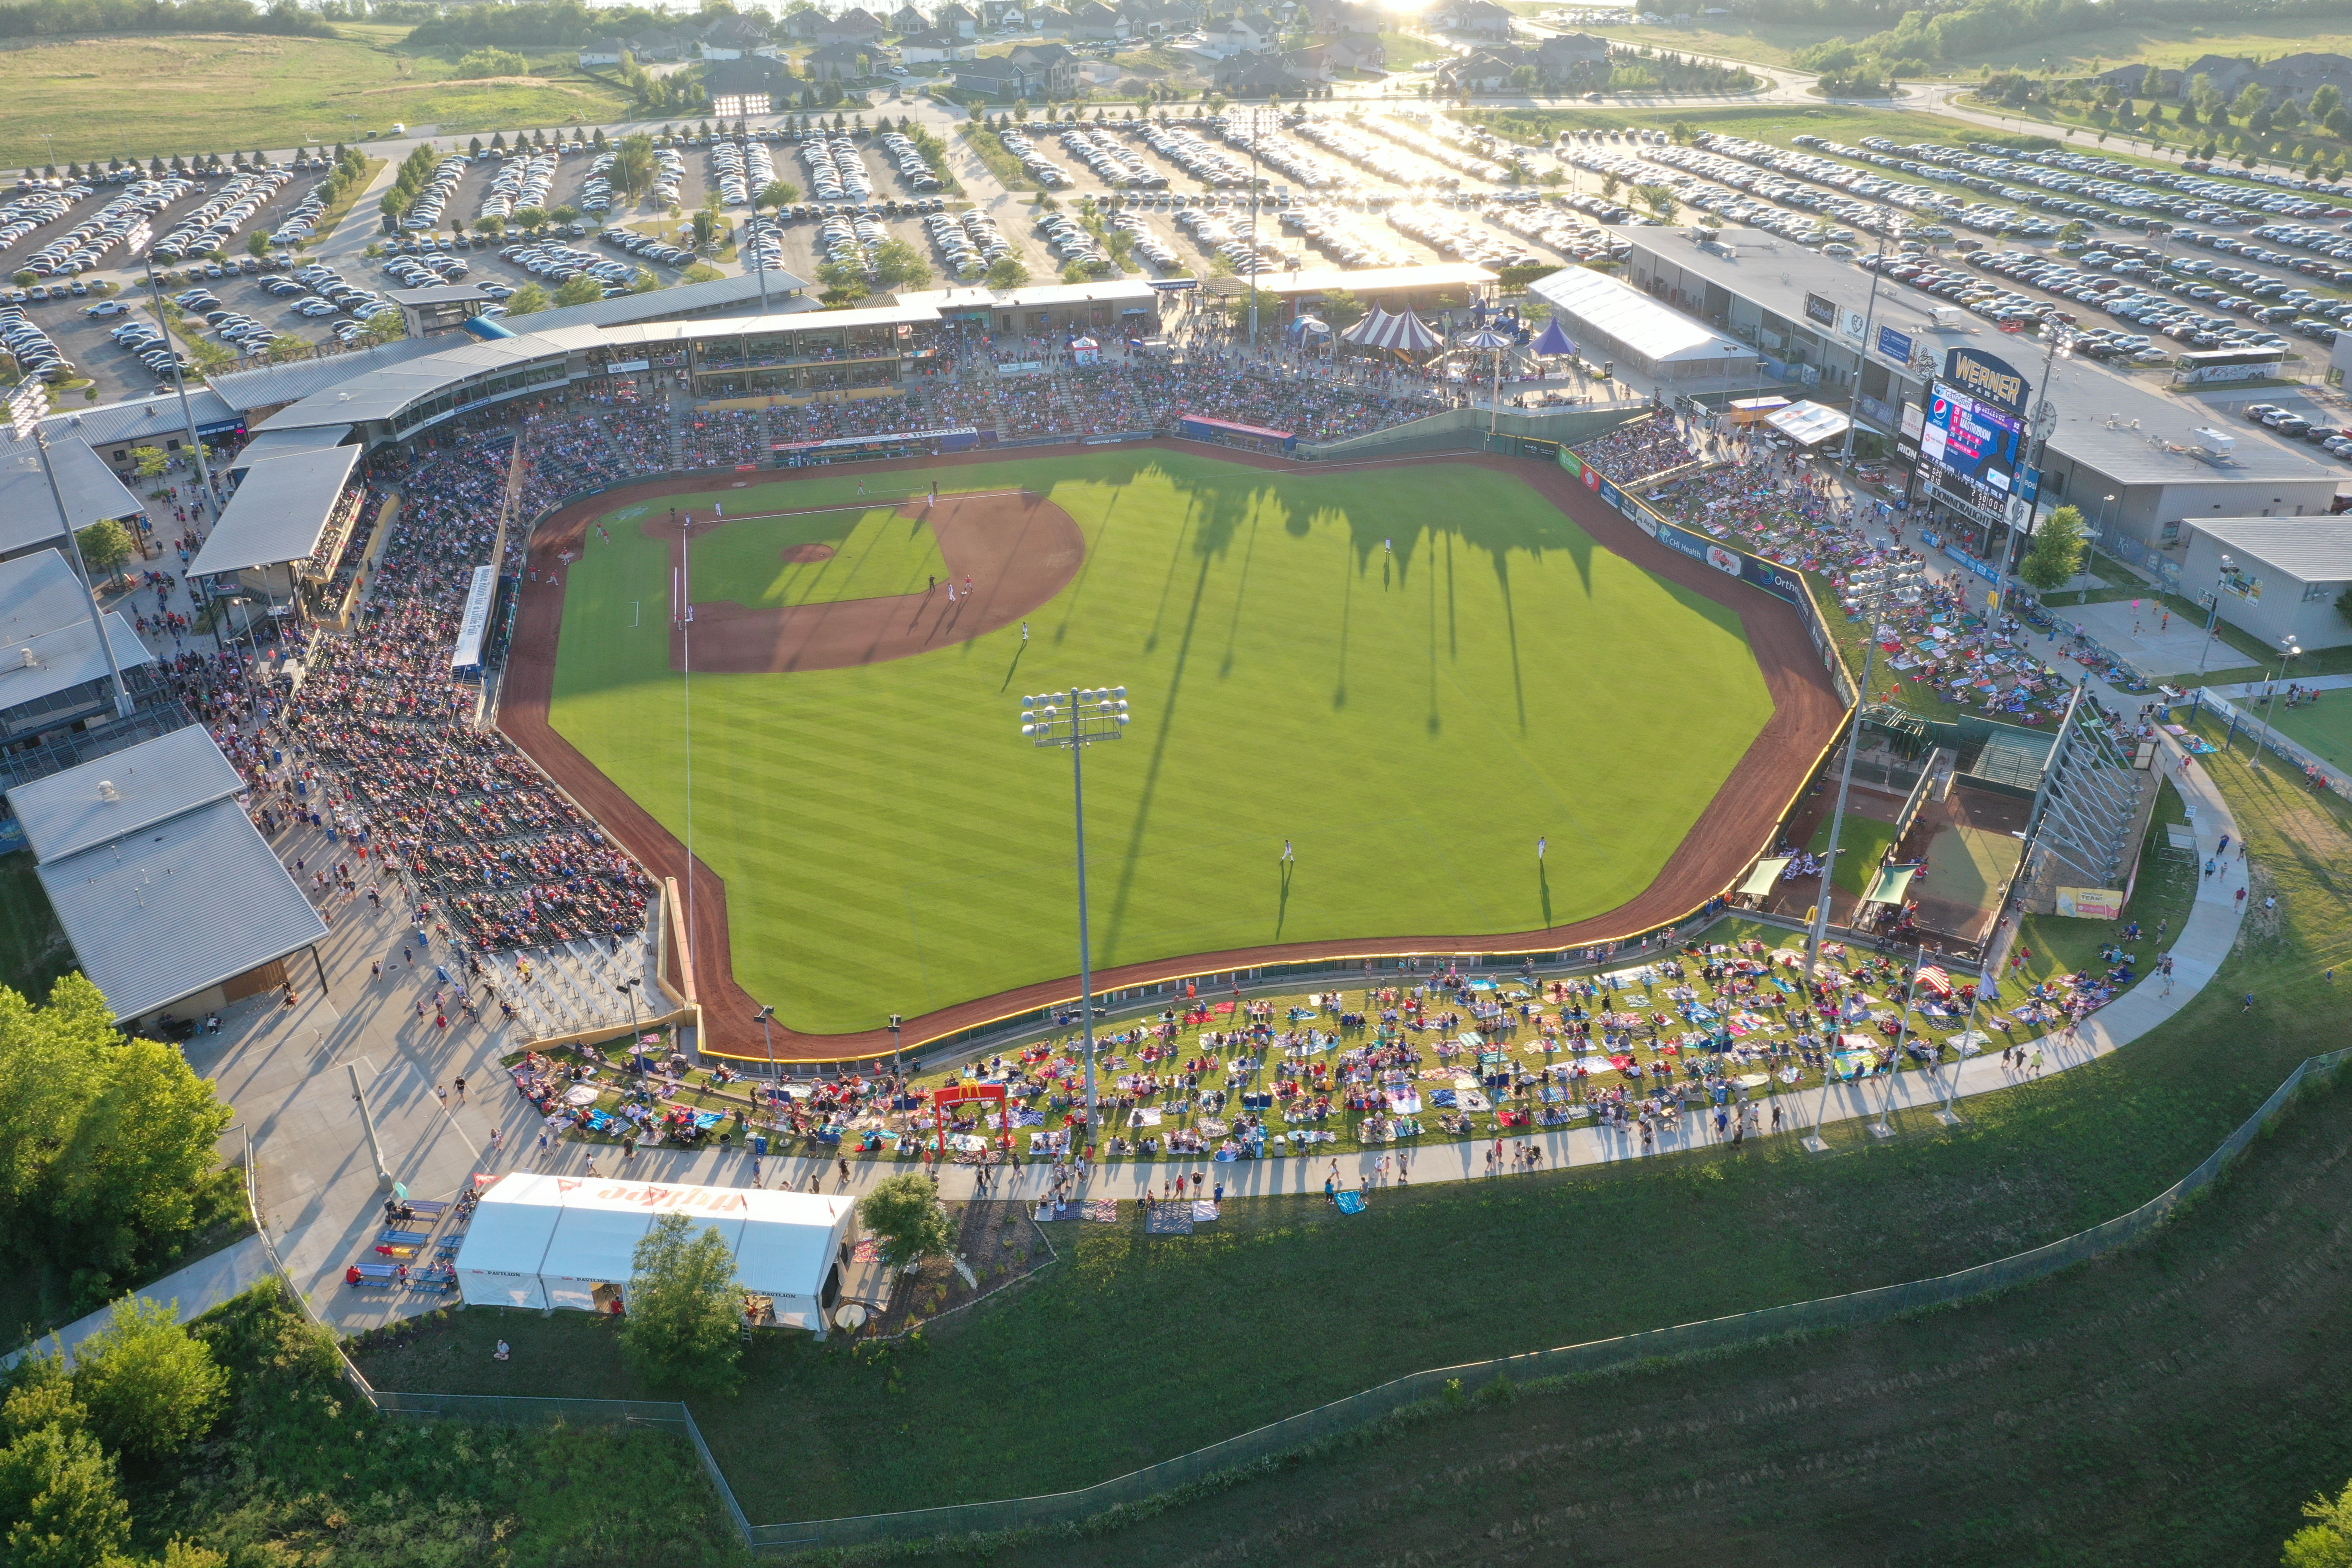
(875, 553)
(1862, 843)
(1133, 1348)
(1412, 723)
(143, 95)
(2323, 728)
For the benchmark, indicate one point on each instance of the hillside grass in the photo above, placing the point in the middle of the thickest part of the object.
(147, 95)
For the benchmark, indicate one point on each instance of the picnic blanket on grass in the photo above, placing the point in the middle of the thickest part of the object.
(1351, 1202)
(1103, 1211)
(1168, 1219)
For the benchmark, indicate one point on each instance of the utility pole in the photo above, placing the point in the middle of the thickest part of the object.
(375, 1149)
(2058, 327)
(137, 240)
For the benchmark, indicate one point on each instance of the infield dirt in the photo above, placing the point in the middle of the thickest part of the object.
(1737, 826)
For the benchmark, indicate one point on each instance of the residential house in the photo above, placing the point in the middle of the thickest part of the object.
(1245, 32)
(906, 21)
(1483, 71)
(1049, 21)
(921, 49)
(1095, 22)
(801, 23)
(1053, 65)
(1355, 52)
(1556, 56)
(603, 52)
(732, 38)
(1345, 17)
(1478, 18)
(1000, 16)
(993, 78)
(964, 23)
(653, 44)
(1255, 75)
(755, 84)
(855, 26)
(1160, 18)
(844, 61)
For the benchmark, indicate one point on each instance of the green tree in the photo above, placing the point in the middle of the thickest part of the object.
(684, 1325)
(58, 1489)
(898, 265)
(1660, 199)
(257, 244)
(149, 1387)
(478, 64)
(2151, 84)
(706, 225)
(845, 282)
(527, 300)
(633, 164)
(2056, 552)
(776, 195)
(580, 291)
(1610, 186)
(2326, 1544)
(150, 462)
(904, 1213)
(529, 217)
(1339, 309)
(1007, 272)
(643, 281)
(106, 544)
(287, 346)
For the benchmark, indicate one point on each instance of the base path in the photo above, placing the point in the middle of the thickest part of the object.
(1735, 828)
(1022, 547)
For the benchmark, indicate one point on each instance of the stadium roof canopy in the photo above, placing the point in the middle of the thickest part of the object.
(44, 611)
(279, 513)
(28, 513)
(163, 884)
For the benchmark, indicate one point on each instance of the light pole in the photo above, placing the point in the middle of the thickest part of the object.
(27, 406)
(2214, 616)
(1890, 228)
(2270, 706)
(2104, 501)
(2058, 327)
(1874, 584)
(1075, 720)
(896, 1021)
(628, 988)
(766, 1018)
(137, 241)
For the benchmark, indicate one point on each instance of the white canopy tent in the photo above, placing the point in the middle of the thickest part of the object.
(1612, 318)
(571, 1241)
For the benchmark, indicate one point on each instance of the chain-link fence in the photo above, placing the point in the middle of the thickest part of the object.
(1359, 1409)
(2313, 766)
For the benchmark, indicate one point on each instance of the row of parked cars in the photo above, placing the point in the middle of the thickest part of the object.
(426, 211)
(151, 348)
(519, 182)
(740, 169)
(968, 245)
(648, 246)
(913, 167)
(2333, 439)
(835, 172)
(560, 264)
(1049, 175)
(36, 354)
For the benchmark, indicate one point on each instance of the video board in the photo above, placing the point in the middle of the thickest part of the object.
(1972, 441)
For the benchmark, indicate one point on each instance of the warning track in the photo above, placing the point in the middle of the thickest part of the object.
(1733, 829)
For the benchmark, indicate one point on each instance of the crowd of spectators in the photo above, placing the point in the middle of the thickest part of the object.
(381, 739)
(1635, 450)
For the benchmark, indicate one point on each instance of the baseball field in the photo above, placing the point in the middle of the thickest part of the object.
(1408, 674)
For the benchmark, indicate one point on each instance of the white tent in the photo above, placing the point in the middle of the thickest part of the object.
(570, 1241)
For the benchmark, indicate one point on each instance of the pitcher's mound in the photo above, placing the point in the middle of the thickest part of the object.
(802, 554)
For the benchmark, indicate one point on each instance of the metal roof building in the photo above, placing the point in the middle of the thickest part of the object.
(165, 888)
(28, 511)
(279, 513)
(52, 670)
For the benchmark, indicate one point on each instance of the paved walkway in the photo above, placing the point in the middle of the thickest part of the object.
(191, 1292)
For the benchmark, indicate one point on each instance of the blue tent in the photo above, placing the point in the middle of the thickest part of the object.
(1554, 342)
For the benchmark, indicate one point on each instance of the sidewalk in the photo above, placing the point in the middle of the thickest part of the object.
(192, 1291)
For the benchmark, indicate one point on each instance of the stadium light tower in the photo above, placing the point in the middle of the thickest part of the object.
(1867, 590)
(1075, 720)
(138, 242)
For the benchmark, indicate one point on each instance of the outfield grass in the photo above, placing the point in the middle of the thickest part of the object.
(1133, 1348)
(1411, 723)
(147, 95)
(2323, 728)
(875, 554)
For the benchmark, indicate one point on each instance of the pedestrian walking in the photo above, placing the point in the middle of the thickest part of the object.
(441, 1093)
(459, 1085)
